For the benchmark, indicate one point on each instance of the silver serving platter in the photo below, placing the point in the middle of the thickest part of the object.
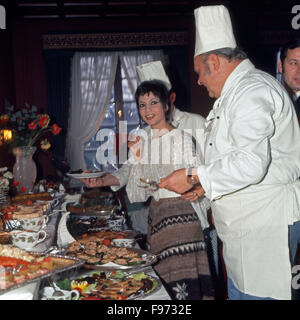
(142, 294)
(149, 260)
(100, 213)
(76, 264)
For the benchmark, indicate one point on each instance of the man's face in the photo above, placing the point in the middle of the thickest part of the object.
(291, 69)
(205, 76)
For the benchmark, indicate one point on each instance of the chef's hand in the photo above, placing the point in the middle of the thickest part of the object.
(176, 182)
(92, 182)
(196, 193)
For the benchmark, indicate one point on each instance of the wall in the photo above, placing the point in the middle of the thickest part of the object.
(29, 69)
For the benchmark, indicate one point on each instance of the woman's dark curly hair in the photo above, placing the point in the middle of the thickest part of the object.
(159, 90)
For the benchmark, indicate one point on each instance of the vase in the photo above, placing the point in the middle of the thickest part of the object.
(24, 169)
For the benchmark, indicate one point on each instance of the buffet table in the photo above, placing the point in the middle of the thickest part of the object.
(58, 237)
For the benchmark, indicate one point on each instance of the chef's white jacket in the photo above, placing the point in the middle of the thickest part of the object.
(250, 173)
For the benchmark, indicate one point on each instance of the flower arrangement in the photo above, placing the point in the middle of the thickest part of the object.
(27, 126)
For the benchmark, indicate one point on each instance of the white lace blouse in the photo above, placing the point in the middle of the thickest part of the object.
(160, 157)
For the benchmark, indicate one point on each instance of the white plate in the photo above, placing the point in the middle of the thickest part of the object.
(84, 175)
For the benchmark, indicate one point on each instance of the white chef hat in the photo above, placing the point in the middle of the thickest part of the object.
(213, 29)
(153, 70)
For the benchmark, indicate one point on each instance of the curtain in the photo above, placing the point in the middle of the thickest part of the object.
(93, 75)
(58, 68)
(131, 59)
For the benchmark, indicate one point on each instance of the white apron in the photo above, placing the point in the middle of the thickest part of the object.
(254, 230)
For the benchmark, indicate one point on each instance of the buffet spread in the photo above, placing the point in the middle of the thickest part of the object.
(61, 246)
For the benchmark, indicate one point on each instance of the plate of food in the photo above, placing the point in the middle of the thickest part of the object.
(20, 267)
(100, 210)
(100, 255)
(82, 174)
(115, 285)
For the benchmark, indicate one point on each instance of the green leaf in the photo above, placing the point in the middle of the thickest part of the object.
(119, 274)
(64, 284)
(135, 263)
(139, 276)
(90, 287)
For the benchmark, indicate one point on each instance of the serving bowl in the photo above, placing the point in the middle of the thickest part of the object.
(128, 243)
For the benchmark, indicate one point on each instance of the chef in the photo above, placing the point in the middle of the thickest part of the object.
(252, 162)
(180, 119)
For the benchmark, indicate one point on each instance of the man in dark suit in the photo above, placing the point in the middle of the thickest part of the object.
(289, 67)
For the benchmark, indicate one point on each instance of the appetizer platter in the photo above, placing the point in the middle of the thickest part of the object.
(95, 203)
(82, 174)
(115, 285)
(101, 255)
(79, 225)
(31, 197)
(107, 235)
(14, 215)
(19, 267)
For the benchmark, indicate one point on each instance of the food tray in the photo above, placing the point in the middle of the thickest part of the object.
(102, 213)
(148, 293)
(137, 296)
(149, 259)
(85, 175)
(62, 263)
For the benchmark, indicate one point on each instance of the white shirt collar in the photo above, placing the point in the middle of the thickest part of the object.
(296, 95)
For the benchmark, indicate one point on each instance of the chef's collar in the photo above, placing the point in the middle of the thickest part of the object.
(245, 66)
(241, 69)
(296, 95)
(176, 116)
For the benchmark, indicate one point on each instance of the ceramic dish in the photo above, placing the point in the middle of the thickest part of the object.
(128, 243)
(85, 175)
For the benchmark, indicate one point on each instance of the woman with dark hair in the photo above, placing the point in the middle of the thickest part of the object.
(174, 229)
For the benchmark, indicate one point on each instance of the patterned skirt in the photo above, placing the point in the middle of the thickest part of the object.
(175, 235)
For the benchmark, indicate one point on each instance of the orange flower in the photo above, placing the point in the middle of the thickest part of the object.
(45, 144)
(32, 125)
(55, 129)
(44, 120)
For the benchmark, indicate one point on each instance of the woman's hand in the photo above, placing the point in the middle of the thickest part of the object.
(135, 147)
(193, 195)
(92, 182)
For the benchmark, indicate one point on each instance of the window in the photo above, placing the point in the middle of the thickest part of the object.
(122, 107)
(102, 95)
